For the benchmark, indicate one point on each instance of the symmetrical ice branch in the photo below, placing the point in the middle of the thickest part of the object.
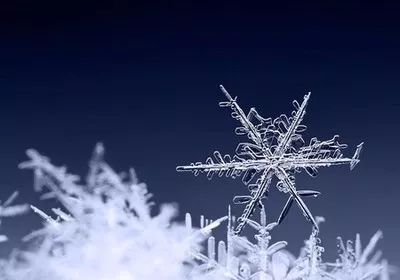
(277, 149)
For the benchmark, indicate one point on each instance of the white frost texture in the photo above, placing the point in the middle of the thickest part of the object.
(106, 231)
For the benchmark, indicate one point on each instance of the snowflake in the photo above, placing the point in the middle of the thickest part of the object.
(277, 149)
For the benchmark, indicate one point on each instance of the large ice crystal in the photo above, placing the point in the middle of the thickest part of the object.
(277, 149)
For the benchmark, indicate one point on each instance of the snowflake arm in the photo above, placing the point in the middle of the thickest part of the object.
(234, 168)
(247, 126)
(255, 200)
(294, 126)
(284, 177)
(311, 159)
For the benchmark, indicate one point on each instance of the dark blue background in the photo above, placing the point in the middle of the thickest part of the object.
(143, 78)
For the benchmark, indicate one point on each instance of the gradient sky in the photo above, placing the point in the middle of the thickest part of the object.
(143, 78)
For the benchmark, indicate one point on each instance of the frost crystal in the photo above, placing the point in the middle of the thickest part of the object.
(105, 230)
(8, 210)
(354, 262)
(241, 259)
(277, 149)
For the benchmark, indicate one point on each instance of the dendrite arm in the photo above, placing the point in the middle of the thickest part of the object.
(248, 126)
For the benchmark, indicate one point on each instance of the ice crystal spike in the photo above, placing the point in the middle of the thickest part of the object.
(9, 210)
(276, 149)
(355, 263)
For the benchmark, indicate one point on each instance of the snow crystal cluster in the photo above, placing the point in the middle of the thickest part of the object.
(106, 227)
(106, 231)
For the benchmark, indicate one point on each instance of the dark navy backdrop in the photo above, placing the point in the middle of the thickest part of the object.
(143, 78)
